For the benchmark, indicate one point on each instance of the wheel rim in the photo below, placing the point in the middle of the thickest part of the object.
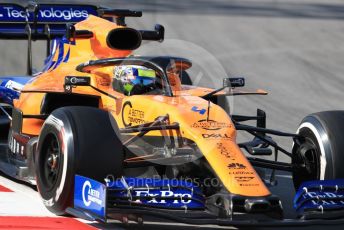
(308, 160)
(51, 162)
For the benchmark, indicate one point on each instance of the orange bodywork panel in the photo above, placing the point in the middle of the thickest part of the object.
(209, 127)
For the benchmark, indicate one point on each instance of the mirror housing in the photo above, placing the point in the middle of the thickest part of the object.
(158, 34)
(234, 82)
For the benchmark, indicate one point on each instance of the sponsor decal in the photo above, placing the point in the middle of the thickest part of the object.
(210, 125)
(73, 81)
(224, 151)
(79, 80)
(200, 111)
(241, 173)
(131, 115)
(243, 178)
(236, 166)
(48, 13)
(324, 198)
(311, 195)
(215, 136)
(154, 192)
(90, 195)
(159, 197)
(330, 202)
(249, 185)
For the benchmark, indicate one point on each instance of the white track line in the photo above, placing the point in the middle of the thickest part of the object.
(23, 201)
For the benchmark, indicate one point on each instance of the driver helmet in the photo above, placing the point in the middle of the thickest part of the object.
(133, 79)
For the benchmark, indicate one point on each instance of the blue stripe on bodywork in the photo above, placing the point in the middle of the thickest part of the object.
(50, 64)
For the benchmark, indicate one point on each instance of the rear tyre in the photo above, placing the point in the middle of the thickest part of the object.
(319, 155)
(75, 140)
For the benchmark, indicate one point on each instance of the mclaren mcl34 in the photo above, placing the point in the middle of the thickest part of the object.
(105, 134)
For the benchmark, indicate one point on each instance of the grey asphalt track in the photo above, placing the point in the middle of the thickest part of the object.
(294, 49)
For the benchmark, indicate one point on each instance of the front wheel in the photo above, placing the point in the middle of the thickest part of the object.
(75, 140)
(319, 154)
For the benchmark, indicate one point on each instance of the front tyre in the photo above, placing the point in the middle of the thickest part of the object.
(319, 155)
(75, 140)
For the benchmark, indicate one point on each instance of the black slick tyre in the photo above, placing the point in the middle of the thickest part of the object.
(75, 140)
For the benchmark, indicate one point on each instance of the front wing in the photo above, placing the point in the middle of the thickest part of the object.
(138, 199)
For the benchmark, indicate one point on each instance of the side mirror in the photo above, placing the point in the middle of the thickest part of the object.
(160, 30)
(157, 35)
(234, 82)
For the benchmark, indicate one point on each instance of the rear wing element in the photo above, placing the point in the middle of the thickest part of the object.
(39, 22)
(49, 20)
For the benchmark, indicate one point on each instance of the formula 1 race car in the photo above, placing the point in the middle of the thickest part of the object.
(105, 134)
